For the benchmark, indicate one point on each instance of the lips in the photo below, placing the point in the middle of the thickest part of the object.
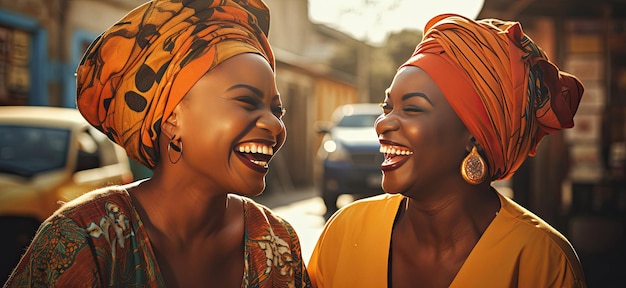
(255, 155)
(395, 155)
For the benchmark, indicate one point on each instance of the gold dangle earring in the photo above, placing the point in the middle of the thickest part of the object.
(474, 168)
(175, 148)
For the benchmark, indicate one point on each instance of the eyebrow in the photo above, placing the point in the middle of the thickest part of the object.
(254, 90)
(416, 94)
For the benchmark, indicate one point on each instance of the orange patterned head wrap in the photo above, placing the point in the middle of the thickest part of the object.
(132, 77)
(500, 83)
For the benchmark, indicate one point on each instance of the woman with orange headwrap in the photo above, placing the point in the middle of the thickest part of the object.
(197, 72)
(472, 102)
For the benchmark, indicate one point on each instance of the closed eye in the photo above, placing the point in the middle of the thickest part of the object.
(250, 103)
(279, 111)
(412, 109)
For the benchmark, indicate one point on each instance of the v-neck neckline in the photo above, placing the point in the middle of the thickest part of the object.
(484, 238)
(141, 229)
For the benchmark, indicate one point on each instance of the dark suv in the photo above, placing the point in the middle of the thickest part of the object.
(350, 154)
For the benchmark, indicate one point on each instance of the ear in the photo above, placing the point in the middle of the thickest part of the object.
(170, 127)
(471, 142)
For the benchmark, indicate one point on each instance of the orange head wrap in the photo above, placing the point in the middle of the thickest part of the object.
(132, 77)
(500, 83)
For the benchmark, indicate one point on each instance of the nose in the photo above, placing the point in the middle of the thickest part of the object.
(268, 121)
(386, 123)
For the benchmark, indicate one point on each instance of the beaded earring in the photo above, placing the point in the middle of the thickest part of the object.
(474, 168)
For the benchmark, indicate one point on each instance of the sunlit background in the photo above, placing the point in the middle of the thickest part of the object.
(373, 20)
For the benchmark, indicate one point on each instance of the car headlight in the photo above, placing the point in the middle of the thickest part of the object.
(335, 151)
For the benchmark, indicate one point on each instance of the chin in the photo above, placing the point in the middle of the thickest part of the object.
(388, 190)
(392, 189)
(254, 191)
(256, 194)
(387, 185)
(392, 192)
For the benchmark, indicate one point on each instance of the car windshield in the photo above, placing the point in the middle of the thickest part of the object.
(357, 120)
(29, 150)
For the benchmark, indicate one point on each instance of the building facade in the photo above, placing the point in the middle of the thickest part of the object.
(578, 178)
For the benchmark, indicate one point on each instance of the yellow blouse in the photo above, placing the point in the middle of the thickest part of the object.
(518, 249)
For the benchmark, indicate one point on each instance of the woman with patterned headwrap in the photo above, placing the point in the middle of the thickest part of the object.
(466, 109)
(188, 89)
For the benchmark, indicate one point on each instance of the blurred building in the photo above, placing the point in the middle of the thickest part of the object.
(311, 87)
(42, 42)
(578, 179)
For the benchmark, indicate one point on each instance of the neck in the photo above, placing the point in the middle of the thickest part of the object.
(444, 220)
(182, 210)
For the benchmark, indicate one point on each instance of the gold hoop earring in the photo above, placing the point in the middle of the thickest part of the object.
(176, 148)
(473, 168)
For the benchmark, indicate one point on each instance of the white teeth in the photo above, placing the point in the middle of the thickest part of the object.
(394, 150)
(256, 148)
(260, 163)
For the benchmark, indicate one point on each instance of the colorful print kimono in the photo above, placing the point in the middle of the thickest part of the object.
(99, 240)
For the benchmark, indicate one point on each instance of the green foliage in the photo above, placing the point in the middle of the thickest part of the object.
(400, 45)
(385, 60)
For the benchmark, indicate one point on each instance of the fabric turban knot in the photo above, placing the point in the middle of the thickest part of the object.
(133, 75)
(502, 86)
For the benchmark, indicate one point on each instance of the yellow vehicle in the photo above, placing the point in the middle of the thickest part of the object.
(48, 155)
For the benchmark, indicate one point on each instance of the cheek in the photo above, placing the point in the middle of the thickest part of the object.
(440, 141)
(420, 135)
(209, 130)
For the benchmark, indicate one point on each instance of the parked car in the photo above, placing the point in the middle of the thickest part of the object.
(48, 155)
(350, 154)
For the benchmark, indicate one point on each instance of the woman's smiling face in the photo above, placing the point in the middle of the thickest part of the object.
(423, 139)
(230, 125)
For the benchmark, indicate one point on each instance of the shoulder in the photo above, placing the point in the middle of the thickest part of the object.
(259, 215)
(536, 241)
(363, 219)
(272, 243)
(91, 206)
(61, 241)
(252, 207)
(527, 223)
(72, 235)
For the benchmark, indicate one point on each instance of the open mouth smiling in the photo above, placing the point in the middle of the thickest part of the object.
(395, 155)
(255, 155)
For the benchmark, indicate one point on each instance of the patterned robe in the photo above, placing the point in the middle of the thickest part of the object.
(98, 240)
